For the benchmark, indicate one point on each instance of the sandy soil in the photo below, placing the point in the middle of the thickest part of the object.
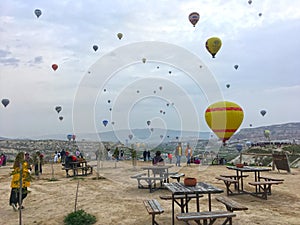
(117, 200)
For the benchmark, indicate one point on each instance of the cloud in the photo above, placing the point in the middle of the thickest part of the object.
(6, 60)
(36, 61)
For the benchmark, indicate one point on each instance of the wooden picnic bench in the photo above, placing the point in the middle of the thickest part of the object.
(153, 207)
(208, 217)
(184, 199)
(264, 188)
(177, 176)
(76, 167)
(230, 204)
(228, 181)
(138, 175)
(151, 182)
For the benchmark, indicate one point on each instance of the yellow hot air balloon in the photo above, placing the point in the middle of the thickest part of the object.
(213, 45)
(224, 118)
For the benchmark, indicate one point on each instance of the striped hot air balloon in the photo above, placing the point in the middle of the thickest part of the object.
(224, 118)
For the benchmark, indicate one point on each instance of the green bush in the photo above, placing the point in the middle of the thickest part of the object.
(79, 217)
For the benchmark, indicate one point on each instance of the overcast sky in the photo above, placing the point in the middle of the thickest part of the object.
(266, 49)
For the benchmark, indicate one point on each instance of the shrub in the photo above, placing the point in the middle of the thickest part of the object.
(80, 217)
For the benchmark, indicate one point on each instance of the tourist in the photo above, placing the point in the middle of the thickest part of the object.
(158, 160)
(178, 154)
(188, 154)
(15, 183)
(38, 160)
(145, 155)
(29, 161)
(170, 157)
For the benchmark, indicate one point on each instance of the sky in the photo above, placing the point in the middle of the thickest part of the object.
(172, 88)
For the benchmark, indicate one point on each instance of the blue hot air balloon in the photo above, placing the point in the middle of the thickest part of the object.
(105, 122)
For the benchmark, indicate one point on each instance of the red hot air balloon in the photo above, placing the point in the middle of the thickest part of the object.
(194, 18)
(54, 67)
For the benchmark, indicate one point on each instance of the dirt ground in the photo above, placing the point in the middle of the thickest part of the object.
(117, 200)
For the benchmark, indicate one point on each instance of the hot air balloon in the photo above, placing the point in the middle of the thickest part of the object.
(151, 129)
(61, 118)
(194, 18)
(95, 47)
(224, 118)
(108, 101)
(144, 60)
(130, 136)
(263, 112)
(148, 122)
(161, 136)
(213, 45)
(38, 13)
(120, 35)
(250, 125)
(236, 67)
(259, 14)
(228, 85)
(267, 134)
(69, 136)
(170, 72)
(239, 147)
(160, 87)
(5, 102)
(54, 66)
(105, 122)
(249, 2)
(58, 109)
(73, 137)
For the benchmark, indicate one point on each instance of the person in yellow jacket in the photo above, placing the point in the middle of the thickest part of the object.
(15, 182)
(188, 154)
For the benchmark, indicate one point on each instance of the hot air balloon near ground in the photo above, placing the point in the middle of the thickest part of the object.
(224, 118)
(5, 102)
(69, 136)
(194, 18)
(144, 60)
(213, 45)
(38, 13)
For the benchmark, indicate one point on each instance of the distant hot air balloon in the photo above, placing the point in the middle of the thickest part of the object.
(144, 60)
(58, 109)
(170, 72)
(249, 2)
(108, 101)
(73, 137)
(267, 134)
(194, 18)
(54, 66)
(95, 47)
(161, 136)
(259, 14)
(239, 147)
(151, 129)
(160, 87)
(105, 122)
(69, 136)
(148, 122)
(38, 13)
(5, 102)
(130, 136)
(120, 35)
(157, 67)
(213, 45)
(224, 118)
(263, 112)
(228, 85)
(250, 125)
(236, 67)
(61, 118)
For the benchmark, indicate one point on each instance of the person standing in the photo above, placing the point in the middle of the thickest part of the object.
(188, 154)
(170, 157)
(38, 160)
(178, 154)
(158, 160)
(19, 183)
(29, 161)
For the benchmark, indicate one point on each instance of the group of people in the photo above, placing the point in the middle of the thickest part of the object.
(178, 154)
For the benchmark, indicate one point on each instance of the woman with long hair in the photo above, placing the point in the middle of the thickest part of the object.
(20, 181)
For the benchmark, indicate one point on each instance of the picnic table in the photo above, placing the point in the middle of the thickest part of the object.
(198, 190)
(79, 168)
(246, 169)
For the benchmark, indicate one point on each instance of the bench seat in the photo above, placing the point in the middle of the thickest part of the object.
(207, 217)
(270, 179)
(228, 182)
(138, 175)
(265, 186)
(230, 204)
(177, 176)
(153, 207)
(151, 182)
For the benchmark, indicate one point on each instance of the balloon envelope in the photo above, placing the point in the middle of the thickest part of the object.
(58, 109)
(213, 45)
(249, 2)
(38, 13)
(144, 60)
(194, 18)
(95, 47)
(263, 112)
(54, 66)
(69, 136)
(105, 122)
(148, 122)
(267, 133)
(5, 102)
(224, 118)
(120, 35)
(228, 85)
(130, 136)
(236, 67)
(61, 118)
(239, 147)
